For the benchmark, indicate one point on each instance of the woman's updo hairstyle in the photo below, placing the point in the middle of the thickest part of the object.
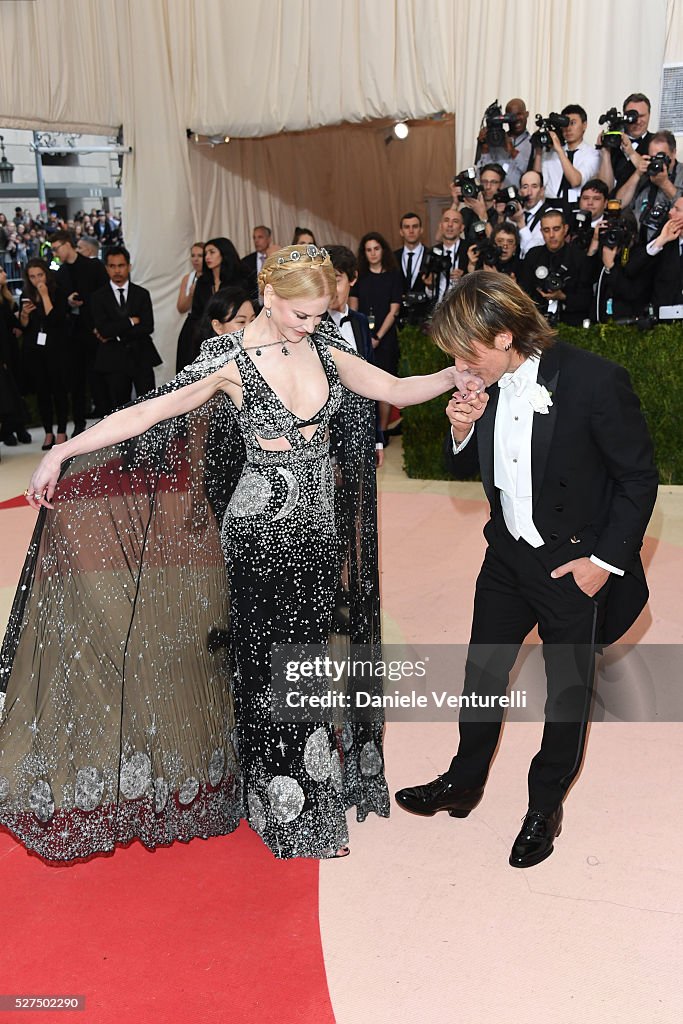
(299, 272)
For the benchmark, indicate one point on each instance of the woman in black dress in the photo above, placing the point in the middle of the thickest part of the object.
(43, 319)
(221, 267)
(377, 293)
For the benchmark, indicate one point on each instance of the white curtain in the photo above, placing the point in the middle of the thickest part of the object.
(262, 67)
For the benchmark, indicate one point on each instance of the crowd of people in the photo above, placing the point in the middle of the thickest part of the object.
(24, 237)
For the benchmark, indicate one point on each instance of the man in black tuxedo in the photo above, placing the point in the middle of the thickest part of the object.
(616, 165)
(566, 462)
(124, 322)
(453, 245)
(558, 275)
(410, 259)
(253, 262)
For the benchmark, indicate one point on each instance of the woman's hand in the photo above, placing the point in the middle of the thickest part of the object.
(41, 288)
(466, 383)
(44, 480)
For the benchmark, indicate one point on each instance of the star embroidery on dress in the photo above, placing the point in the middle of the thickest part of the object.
(282, 746)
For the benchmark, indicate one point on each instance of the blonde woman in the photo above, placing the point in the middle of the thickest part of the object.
(194, 530)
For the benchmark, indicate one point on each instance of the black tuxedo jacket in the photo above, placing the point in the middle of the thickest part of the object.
(571, 262)
(419, 285)
(667, 275)
(594, 481)
(130, 347)
(461, 254)
(361, 333)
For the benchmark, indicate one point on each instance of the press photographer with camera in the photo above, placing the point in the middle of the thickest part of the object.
(499, 252)
(483, 204)
(623, 137)
(624, 284)
(410, 258)
(558, 275)
(656, 183)
(592, 202)
(527, 218)
(504, 139)
(566, 163)
(447, 260)
(666, 255)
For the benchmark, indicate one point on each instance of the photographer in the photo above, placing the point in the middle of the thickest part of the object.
(655, 184)
(624, 283)
(512, 148)
(448, 259)
(666, 255)
(616, 165)
(500, 252)
(483, 205)
(570, 163)
(593, 200)
(558, 276)
(527, 219)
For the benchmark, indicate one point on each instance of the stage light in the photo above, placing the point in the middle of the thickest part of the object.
(401, 130)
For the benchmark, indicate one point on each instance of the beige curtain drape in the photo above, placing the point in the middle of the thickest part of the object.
(269, 66)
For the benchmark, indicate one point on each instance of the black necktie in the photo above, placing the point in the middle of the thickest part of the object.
(564, 184)
(122, 298)
(409, 270)
(527, 216)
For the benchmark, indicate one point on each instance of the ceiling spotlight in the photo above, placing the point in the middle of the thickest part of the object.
(217, 140)
(401, 130)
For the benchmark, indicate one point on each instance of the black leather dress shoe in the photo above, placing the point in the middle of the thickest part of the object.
(535, 840)
(23, 437)
(439, 795)
(10, 440)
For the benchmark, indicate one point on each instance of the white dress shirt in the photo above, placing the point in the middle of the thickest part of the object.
(530, 236)
(117, 288)
(418, 252)
(345, 329)
(586, 160)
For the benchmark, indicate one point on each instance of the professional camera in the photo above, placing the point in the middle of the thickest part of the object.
(616, 124)
(496, 122)
(552, 280)
(552, 123)
(467, 180)
(582, 228)
(488, 254)
(436, 263)
(654, 216)
(658, 163)
(414, 307)
(512, 199)
(614, 231)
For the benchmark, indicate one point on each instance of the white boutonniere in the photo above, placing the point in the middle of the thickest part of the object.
(539, 398)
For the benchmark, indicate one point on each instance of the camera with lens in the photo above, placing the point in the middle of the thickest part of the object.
(488, 255)
(436, 263)
(658, 163)
(512, 199)
(467, 180)
(552, 280)
(414, 307)
(495, 122)
(654, 216)
(614, 231)
(616, 124)
(582, 228)
(545, 125)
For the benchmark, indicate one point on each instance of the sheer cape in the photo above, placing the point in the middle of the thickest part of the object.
(115, 669)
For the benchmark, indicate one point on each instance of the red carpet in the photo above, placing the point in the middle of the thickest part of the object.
(18, 502)
(212, 931)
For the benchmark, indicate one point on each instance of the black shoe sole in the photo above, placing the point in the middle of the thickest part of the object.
(454, 812)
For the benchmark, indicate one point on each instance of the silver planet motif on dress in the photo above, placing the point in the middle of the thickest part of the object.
(370, 760)
(286, 798)
(252, 494)
(336, 771)
(162, 792)
(188, 791)
(257, 813)
(89, 788)
(293, 491)
(317, 755)
(136, 775)
(41, 800)
(216, 766)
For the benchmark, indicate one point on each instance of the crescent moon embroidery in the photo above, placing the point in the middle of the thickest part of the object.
(292, 498)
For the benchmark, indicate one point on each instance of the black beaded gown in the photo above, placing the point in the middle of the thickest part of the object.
(136, 669)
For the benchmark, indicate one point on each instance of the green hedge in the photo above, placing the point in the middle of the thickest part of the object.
(653, 358)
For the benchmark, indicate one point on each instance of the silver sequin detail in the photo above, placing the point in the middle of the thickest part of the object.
(89, 788)
(370, 760)
(136, 775)
(286, 798)
(257, 814)
(188, 791)
(336, 771)
(293, 491)
(162, 792)
(41, 801)
(252, 494)
(317, 755)
(347, 737)
(216, 766)
(4, 789)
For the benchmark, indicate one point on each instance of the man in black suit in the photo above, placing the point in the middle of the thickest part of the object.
(666, 256)
(253, 262)
(124, 322)
(558, 275)
(616, 164)
(410, 259)
(566, 462)
(453, 245)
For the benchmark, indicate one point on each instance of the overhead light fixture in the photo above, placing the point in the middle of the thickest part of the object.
(401, 130)
(217, 140)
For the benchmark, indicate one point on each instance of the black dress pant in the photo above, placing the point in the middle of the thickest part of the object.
(515, 592)
(116, 389)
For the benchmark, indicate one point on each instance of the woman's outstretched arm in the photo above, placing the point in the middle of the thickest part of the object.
(120, 426)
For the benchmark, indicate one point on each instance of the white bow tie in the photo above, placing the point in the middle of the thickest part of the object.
(519, 384)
